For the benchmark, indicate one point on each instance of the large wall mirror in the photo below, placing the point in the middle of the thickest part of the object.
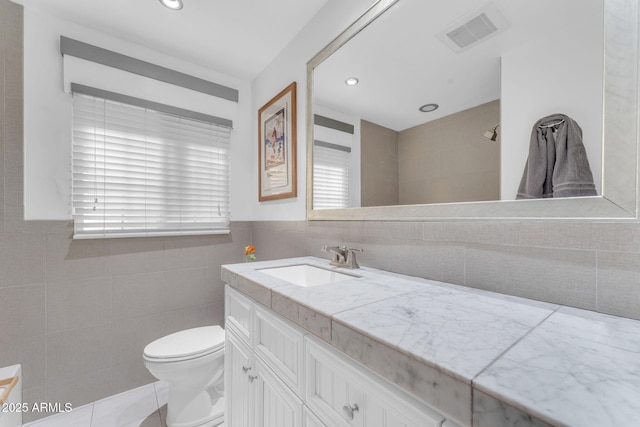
(445, 103)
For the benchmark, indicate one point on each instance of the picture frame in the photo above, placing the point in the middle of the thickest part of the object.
(277, 131)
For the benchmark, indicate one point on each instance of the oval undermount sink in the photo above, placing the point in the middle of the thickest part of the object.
(306, 275)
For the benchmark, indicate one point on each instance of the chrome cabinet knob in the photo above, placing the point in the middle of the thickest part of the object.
(350, 410)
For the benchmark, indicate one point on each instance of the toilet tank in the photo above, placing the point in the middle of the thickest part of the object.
(11, 396)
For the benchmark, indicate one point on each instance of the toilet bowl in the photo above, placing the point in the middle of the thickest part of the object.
(192, 363)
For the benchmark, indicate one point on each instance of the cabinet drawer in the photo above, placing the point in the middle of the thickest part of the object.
(239, 313)
(342, 393)
(280, 344)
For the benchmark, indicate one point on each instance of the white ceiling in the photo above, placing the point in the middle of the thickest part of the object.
(402, 64)
(236, 37)
(399, 60)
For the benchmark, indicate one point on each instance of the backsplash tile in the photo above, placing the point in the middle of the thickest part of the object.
(619, 283)
(437, 261)
(348, 231)
(561, 276)
(377, 255)
(502, 233)
(383, 231)
(561, 263)
(615, 237)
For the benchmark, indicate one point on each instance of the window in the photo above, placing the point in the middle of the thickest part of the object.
(140, 172)
(330, 175)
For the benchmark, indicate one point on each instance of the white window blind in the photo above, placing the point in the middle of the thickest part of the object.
(140, 172)
(330, 176)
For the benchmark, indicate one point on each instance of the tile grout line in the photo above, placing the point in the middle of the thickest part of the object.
(93, 405)
(518, 341)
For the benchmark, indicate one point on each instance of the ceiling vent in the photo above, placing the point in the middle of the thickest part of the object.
(474, 28)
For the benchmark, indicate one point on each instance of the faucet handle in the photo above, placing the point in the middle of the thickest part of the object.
(351, 257)
(338, 254)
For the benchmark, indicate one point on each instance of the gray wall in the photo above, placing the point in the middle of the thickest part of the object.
(379, 179)
(448, 160)
(77, 314)
(441, 161)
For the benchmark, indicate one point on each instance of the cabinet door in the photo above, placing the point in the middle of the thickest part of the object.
(279, 344)
(238, 382)
(275, 404)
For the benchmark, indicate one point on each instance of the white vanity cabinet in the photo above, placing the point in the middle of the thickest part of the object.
(263, 364)
(257, 396)
(278, 375)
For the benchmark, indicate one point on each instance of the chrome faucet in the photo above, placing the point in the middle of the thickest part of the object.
(342, 256)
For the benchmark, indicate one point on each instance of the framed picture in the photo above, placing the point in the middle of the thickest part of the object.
(277, 173)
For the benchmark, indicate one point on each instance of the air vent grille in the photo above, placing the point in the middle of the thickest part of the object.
(473, 28)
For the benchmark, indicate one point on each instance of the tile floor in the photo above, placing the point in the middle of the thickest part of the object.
(141, 407)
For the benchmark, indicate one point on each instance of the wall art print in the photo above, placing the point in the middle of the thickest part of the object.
(277, 173)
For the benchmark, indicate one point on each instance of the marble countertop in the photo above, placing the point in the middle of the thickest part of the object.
(482, 358)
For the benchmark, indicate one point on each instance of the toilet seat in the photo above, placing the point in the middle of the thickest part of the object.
(185, 345)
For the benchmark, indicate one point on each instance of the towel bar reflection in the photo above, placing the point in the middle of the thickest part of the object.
(552, 125)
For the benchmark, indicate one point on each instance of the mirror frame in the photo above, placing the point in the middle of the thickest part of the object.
(619, 199)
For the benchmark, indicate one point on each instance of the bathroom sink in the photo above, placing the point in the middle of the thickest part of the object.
(306, 275)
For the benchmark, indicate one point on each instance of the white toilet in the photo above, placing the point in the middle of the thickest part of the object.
(192, 362)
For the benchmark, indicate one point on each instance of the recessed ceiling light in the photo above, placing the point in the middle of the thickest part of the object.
(172, 4)
(427, 108)
(352, 81)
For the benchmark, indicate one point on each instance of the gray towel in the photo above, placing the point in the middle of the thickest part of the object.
(556, 167)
